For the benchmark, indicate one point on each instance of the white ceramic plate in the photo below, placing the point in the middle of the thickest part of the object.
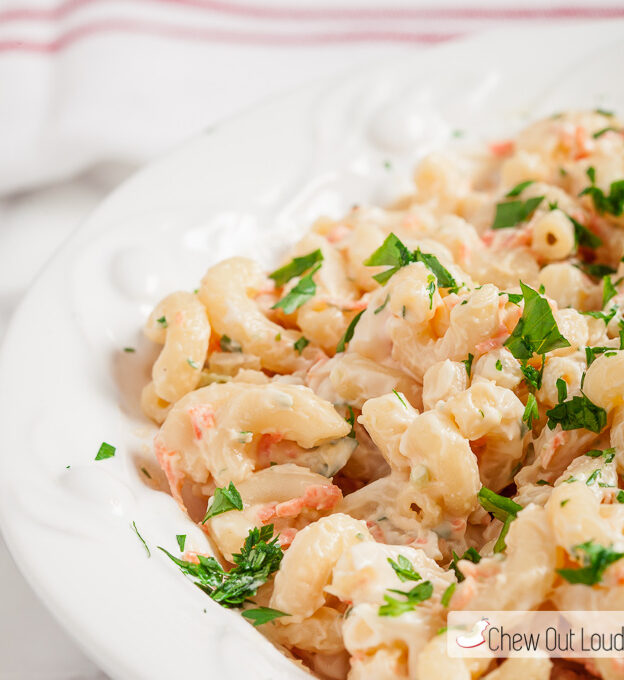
(249, 187)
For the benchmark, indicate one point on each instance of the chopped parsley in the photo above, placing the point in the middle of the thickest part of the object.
(511, 213)
(611, 203)
(608, 290)
(562, 389)
(129, 350)
(304, 290)
(620, 497)
(404, 569)
(262, 615)
(181, 539)
(448, 594)
(192, 363)
(603, 131)
(532, 376)
(595, 560)
(228, 345)
(594, 476)
(468, 363)
(519, 188)
(383, 305)
(536, 331)
(340, 347)
(431, 289)
(591, 352)
(604, 316)
(301, 344)
(607, 454)
(224, 500)
(471, 555)
(259, 557)
(605, 112)
(395, 607)
(598, 271)
(499, 506)
(400, 398)
(296, 267)
(146, 473)
(162, 321)
(136, 531)
(516, 298)
(396, 254)
(542, 482)
(576, 413)
(351, 420)
(531, 411)
(105, 451)
(498, 365)
(583, 236)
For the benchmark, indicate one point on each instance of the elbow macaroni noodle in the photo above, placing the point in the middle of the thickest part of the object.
(367, 420)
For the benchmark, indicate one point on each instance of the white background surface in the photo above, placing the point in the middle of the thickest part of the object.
(75, 122)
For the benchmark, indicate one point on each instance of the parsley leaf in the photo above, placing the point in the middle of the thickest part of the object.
(590, 353)
(519, 188)
(613, 202)
(181, 539)
(620, 497)
(351, 420)
(500, 544)
(594, 476)
(498, 365)
(531, 412)
(259, 557)
(583, 236)
(404, 569)
(383, 305)
(562, 389)
(468, 363)
(301, 344)
(394, 607)
(106, 451)
(400, 398)
(391, 252)
(595, 559)
(340, 347)
(532, 376)
(162, 321)
(511, 213)
(395, 253)
(471, 555)
(448, 594)
(499, 506)
(444, 277)
(516, 298)
(296, 267)
(596, 270)
(303, 291)
(224, 500)
(604, 130)
(536, 331)
(605, 316)
(262, 615)
(607, 454)
(228, 345)
(608, 290)
(578, 412)
(136, 531)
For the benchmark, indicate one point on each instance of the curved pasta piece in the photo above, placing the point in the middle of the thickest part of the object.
(287, 496)
(434, 662)
(213, 431)
(228, 290)
(522, 579)
(306, 568)
(491, 418)
(180, 323)
(604, 380)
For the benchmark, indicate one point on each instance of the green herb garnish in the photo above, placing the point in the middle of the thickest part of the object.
(448, 594)
(162, 321)
(304, 290)
(395, 607)
(340, 347)
(228, 345)
(258, 559)
(301, 344)
(224, 500)
(611, 203)
(136, 531)
(262, 615)
(383, 305)
(519, 188)
(531, 411)
(468, 363)
(471, 555)
(578, 412)
(595, 559)
(511, 213)
(296, 267)
(105, 451)
(181, 539)
(404, 569)
(536, 331)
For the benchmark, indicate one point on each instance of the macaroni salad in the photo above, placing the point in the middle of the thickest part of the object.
(421, 410)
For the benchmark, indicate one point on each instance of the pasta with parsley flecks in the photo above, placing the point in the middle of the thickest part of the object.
(420, 411)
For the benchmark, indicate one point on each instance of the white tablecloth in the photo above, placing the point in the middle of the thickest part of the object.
(90, 89)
